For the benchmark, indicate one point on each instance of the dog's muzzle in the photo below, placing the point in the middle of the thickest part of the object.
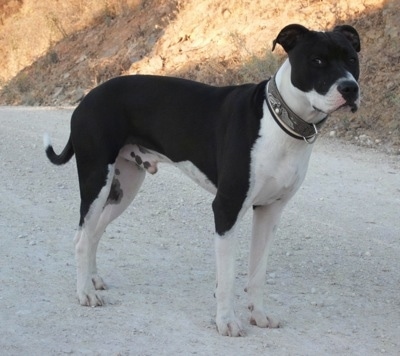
(350, 92)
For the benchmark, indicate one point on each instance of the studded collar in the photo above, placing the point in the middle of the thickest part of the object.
(288, 121)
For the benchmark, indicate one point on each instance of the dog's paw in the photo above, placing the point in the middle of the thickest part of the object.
(261, 319)
(98, 283)
(90, 299)
(230, 327)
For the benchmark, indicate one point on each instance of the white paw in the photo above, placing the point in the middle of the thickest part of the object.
(261, 319)
(90, 298)
(98, 283)
(229, 327)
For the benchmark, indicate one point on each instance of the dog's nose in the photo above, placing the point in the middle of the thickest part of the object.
(349, 90)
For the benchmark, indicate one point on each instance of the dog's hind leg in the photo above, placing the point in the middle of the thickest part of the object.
(95, 184)
(265, 220)
(122, 183)
(128, 177)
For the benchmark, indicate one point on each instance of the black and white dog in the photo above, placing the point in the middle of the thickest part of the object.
(249, 145)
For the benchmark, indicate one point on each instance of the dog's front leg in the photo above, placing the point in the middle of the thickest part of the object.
(265, 222)
(227, 323)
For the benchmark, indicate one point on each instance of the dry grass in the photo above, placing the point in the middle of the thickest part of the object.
(34, 27)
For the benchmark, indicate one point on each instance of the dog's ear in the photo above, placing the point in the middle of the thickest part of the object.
(351, 34)
(289, 35)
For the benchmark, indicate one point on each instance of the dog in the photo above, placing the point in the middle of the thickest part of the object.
(249, 145)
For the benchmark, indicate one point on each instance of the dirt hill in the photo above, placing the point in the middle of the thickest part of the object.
(52, 53)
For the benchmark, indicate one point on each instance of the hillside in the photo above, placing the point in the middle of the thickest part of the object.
(51, 53)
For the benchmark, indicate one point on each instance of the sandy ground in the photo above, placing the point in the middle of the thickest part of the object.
(333, 276)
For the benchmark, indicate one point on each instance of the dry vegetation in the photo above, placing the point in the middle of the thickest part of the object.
(51, 53)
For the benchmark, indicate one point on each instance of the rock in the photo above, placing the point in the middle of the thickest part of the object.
(81, 59)
(77, 95)
(57, 92)
(226, 13)
(365, 140)
(156, 64)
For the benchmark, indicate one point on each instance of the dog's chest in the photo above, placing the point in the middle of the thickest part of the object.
(278, 165)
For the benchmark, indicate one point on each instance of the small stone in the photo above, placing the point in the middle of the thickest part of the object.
(226, 13)
(81, 59)
(365, 140)
(317, 304)
(57, 91)
(156, 63)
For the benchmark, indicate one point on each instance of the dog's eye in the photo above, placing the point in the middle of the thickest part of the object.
(352, 60)
(317, 61)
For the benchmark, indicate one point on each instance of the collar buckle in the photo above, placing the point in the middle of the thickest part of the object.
(311, 139)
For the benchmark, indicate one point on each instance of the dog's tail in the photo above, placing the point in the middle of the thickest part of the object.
(54, 158)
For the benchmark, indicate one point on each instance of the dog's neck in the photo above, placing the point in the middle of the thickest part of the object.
(297, 120)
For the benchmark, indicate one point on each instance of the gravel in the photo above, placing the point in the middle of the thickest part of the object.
(333, 275)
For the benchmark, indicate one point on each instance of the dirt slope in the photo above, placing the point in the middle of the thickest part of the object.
(51, 53)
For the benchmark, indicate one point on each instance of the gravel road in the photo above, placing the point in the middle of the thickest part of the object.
(333, 277)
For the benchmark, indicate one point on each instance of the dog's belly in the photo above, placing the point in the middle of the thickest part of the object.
(196, 175)
(149, 159)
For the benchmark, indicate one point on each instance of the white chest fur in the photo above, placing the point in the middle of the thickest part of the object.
(278, 164)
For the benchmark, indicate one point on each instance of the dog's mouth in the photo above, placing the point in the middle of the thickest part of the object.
(351, 105)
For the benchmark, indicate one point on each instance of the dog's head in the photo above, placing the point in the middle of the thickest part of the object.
(324, 65)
